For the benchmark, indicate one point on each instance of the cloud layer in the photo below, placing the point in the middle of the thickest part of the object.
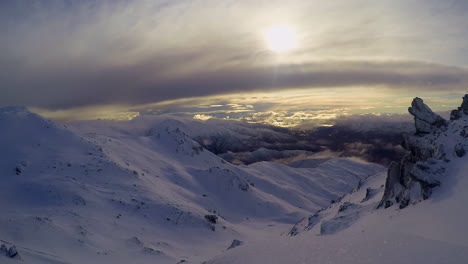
(59, 55)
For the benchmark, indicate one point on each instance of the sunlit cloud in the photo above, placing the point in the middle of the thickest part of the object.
(115, 59)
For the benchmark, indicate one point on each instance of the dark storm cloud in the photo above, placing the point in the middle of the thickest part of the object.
(64, 54)
(83, 85)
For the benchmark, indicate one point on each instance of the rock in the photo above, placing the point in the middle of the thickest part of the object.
(305, 224)
(18, 170)
(460, 150)
(370, 193)
(12, 252)
(345, 206)
(455, 115)
(3, 250)
(463, 109)
(235, 243)
(393, 188)
(423, 166)
(464, 106)
(151, 251)
(425, 119)
(212, 218)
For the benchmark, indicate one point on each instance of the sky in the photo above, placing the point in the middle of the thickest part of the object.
(117, 59)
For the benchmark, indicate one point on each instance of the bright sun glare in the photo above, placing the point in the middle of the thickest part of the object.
(280, 38)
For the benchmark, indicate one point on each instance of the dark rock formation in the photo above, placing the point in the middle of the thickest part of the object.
(427, 153)
(463, 109)
(12, 252)
(212, 218)
(426, 120)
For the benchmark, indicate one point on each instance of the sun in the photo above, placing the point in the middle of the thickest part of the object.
(280, 38)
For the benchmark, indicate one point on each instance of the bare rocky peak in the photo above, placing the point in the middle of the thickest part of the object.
(428, 153)
(425, 120)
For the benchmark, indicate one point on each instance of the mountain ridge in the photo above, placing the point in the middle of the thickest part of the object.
(131, 194)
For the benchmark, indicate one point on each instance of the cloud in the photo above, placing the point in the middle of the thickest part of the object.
(60, 55)
(83, 85)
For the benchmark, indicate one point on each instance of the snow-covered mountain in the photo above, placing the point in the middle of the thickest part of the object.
(144, 192)
(416, 213)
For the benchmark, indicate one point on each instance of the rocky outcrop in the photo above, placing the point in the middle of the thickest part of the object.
(212, 218)
(462, 110)
(11, 253)
(428, 152)
(425, 120)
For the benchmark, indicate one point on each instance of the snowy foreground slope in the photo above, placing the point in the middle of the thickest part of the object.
(144, 192)
(415, 214)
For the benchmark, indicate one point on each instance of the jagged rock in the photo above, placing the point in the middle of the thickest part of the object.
(235, 243)
(370, 193)
(295, 229)
(212, 218)
(12, 252)
(463, 109)
(464, 106)
(426, 120)
(393, 188)
(423, 166)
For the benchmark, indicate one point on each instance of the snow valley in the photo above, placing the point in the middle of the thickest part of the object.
(154, 190)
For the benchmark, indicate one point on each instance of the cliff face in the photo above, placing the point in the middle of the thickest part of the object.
(428, 154)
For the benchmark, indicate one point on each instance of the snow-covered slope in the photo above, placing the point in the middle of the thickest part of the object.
(429, 183)
(217, 135)
(142, 192)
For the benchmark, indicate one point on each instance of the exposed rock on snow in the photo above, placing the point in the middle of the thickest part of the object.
(427, 153)
(305, 224)
(3, 249)
(12, 252)
(235, 243)
(212, 218)
(370, 193)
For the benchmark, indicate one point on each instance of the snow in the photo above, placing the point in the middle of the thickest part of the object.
(144, 191)
(429, 232)
(140, 191)
(355, 231)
